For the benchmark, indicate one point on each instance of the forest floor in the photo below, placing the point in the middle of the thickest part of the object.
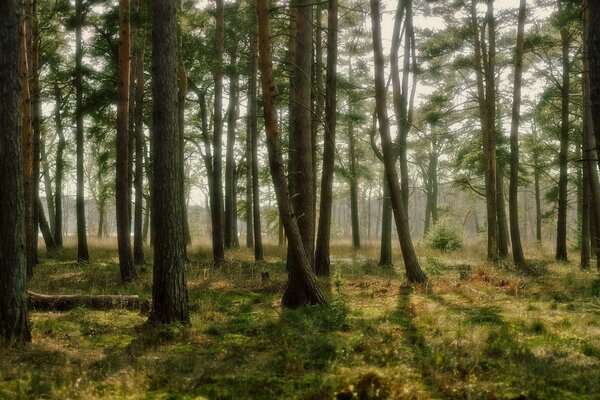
(477, 331)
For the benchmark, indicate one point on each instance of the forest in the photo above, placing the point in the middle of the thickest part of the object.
(289, 199)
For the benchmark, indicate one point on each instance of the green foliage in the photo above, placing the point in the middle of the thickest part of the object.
(444, 237)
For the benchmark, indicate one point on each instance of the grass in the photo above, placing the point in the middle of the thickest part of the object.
(475, 332)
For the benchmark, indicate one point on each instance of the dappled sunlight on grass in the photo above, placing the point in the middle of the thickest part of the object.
(476, 330)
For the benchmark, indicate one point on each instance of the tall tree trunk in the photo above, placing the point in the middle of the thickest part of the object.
(591, 131)
(503, 241)
(302, 287)
(60, 167)
(36, 116)
(322, 261)
(301, 173)
(30, 249)
(181, 93)
(248, 154)
(593, 40)
(169, 290)
(513, 202)
(216, 204)
(353, 183)
(138, 236)
(14, 318)
(561, 225)
(122, 193)
(231, 234)
(538, 201)
(486, 95)
(403, 104)
(252, 87)
(411, 262)
(318, 100)
(385, 253)
(82, 247)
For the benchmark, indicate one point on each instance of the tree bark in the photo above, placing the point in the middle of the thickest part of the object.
(486, 96)
(302, 287)
(591, 121)
(503, 241)
(301, 173)
(411, 262)
(216, 204)
(14, 318)
(30, 245)
(122, 193)
(561, 224)
(252, 87)
(169, 290)
(138, 237)
(322, 261)
(231, 234)
(60, 167)
(513, 202)
(82, 247)
(353, 178)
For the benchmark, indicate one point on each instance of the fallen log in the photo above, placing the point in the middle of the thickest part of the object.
(64, 302)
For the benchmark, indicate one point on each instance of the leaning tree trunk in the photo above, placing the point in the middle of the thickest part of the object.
(14, 319)
(411, 262)
(82, 247)
(122, 192)
(513, 203)
(561, 224)
(169, 290)
(322, 262)
(302, 287)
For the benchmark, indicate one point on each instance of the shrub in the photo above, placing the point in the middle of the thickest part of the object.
(444, 237)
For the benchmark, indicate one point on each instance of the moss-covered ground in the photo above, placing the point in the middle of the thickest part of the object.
(476, 331)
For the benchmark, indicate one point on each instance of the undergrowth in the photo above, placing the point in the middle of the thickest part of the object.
(475, 332)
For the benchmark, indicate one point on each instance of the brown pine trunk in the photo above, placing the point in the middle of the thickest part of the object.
(14, 319)
(486, 96)
(252, 87)
(411, 262)
(122, 193)
(138, 237)
(169, 290)
(82, 247)
(591, 80)
(302, 287)
(503, 241)
(353, 184)
(30, 249)
(231, 234)
(60, 167)
(322, 261)
(513, 203)
(301, 173)
(216, 205)
(561, 227)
